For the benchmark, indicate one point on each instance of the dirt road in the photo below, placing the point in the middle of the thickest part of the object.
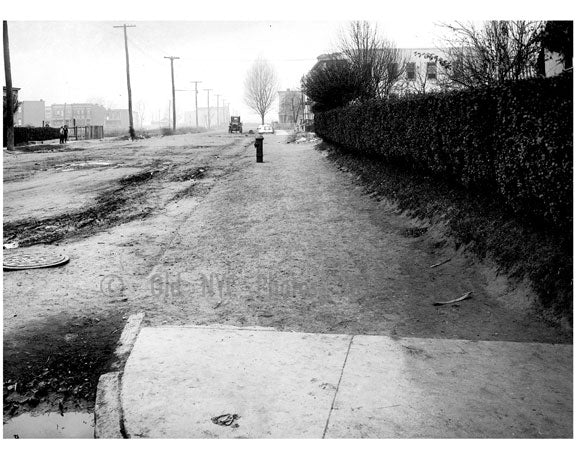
(190, 229)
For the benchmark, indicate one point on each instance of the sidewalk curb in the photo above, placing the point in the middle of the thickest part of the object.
(127, 340)
(107, 411)
(108, 421)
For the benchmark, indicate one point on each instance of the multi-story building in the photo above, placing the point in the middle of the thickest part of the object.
(31, 113)
(77, 115)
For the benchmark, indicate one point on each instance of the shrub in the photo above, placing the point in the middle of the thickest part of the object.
(330, 85)
(513, 140)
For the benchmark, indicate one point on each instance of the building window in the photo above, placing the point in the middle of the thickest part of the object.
(411, 70)
(431, 70)
(393, 69)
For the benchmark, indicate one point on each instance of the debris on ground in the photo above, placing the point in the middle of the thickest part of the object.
(302, 137)
(227, 420)
(456, 300)
(435, 265)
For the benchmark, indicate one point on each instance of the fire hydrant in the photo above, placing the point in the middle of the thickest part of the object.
(259, 145)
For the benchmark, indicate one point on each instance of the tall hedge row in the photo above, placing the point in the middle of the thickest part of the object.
(514, 140)
(29, 134)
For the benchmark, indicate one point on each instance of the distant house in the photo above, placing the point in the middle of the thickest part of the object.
(421, 73)
(31, 113)
(119, 118)
(293, 108)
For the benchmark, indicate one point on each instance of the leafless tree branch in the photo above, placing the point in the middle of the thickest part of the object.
(376, 62)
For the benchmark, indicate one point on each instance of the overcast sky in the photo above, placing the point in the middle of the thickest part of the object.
(75, 60)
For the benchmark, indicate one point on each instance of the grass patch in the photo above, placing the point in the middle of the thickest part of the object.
(521, 248)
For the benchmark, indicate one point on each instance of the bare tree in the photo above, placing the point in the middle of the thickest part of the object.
(376, 62)
(492, 53)
(260, 87)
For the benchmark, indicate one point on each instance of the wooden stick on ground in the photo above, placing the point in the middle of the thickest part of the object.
(441, 263)
(456, 300)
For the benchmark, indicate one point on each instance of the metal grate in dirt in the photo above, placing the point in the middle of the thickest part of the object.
(31, 260)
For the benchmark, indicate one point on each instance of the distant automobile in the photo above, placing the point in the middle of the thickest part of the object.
(265, 129)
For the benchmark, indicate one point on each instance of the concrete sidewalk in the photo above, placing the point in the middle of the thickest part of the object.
(179, 382)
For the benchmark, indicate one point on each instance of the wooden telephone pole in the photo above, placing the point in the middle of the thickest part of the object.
(196, 98)
(131, 120)
(208, 98)
(217, 110)
(173, 90)
(9, 96)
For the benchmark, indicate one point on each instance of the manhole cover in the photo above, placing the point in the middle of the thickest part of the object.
(14, 261)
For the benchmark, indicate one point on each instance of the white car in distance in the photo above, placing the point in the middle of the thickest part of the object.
(265, 129)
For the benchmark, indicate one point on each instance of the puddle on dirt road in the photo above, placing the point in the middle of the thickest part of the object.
(84, 164)
(50, 425)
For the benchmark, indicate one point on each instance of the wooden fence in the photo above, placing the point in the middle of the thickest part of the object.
(85, 132)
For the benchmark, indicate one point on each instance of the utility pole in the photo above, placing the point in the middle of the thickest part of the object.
(208, 94)
(9, 96)
(224, 117)
(196, 98)
(173, 91)
(130, 119)
(217, 110)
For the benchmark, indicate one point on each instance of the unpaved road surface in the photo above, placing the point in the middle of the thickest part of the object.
(191, 230)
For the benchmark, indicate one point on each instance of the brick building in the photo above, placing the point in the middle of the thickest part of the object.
(77, 115)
